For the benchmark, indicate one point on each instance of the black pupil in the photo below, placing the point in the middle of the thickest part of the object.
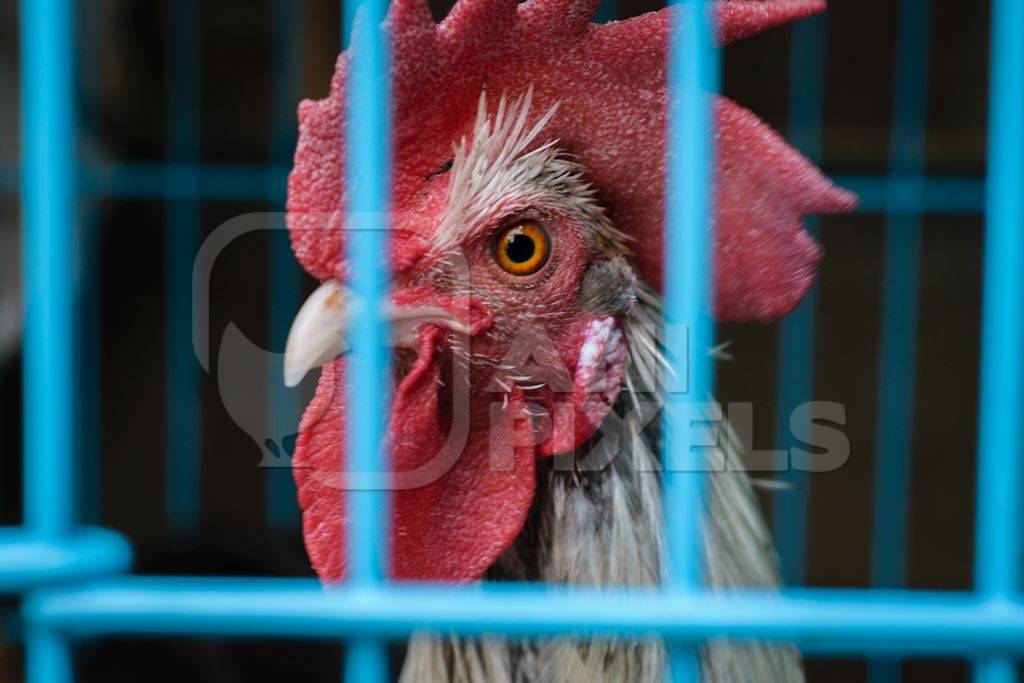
(519, 248)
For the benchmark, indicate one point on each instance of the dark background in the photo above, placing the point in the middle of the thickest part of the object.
(126, 115)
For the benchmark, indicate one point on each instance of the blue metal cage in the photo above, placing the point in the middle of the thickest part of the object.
(73, 579)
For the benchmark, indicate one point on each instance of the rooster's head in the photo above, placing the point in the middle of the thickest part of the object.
(527, 202)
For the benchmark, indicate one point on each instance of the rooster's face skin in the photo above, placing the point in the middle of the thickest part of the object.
(510, 286)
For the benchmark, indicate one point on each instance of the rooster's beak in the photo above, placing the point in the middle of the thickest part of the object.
(317, 335)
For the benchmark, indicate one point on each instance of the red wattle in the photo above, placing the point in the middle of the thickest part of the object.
(462, 493)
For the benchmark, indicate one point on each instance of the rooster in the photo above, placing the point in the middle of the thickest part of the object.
(526, 235)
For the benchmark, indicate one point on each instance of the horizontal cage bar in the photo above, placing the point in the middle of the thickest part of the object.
(818, 620)
(31, 560)
(879, 193)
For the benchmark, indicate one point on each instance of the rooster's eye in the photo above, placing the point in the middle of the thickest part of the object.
(522, 248)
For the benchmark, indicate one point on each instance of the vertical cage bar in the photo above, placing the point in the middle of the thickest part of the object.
(90, 71)
(998, 531)
(88, 361)
(999, 439)
(47, 657)
(895, 416)
(48, 217)
(365, 660)
(8, 181)
(693, 75)
(285, 290)
(368, 122)
(898, 355)
(182, 386)
(995, 669)
(795, 376)
(897, 365)
(895, 402)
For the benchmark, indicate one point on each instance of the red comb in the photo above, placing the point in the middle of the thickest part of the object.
(610, 81)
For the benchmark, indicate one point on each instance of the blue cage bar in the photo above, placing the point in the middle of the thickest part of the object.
(181, 243)
(60, 567)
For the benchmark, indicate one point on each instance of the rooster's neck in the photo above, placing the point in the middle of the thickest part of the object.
(597, 520)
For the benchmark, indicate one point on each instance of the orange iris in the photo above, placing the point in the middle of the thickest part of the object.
(522, 248)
